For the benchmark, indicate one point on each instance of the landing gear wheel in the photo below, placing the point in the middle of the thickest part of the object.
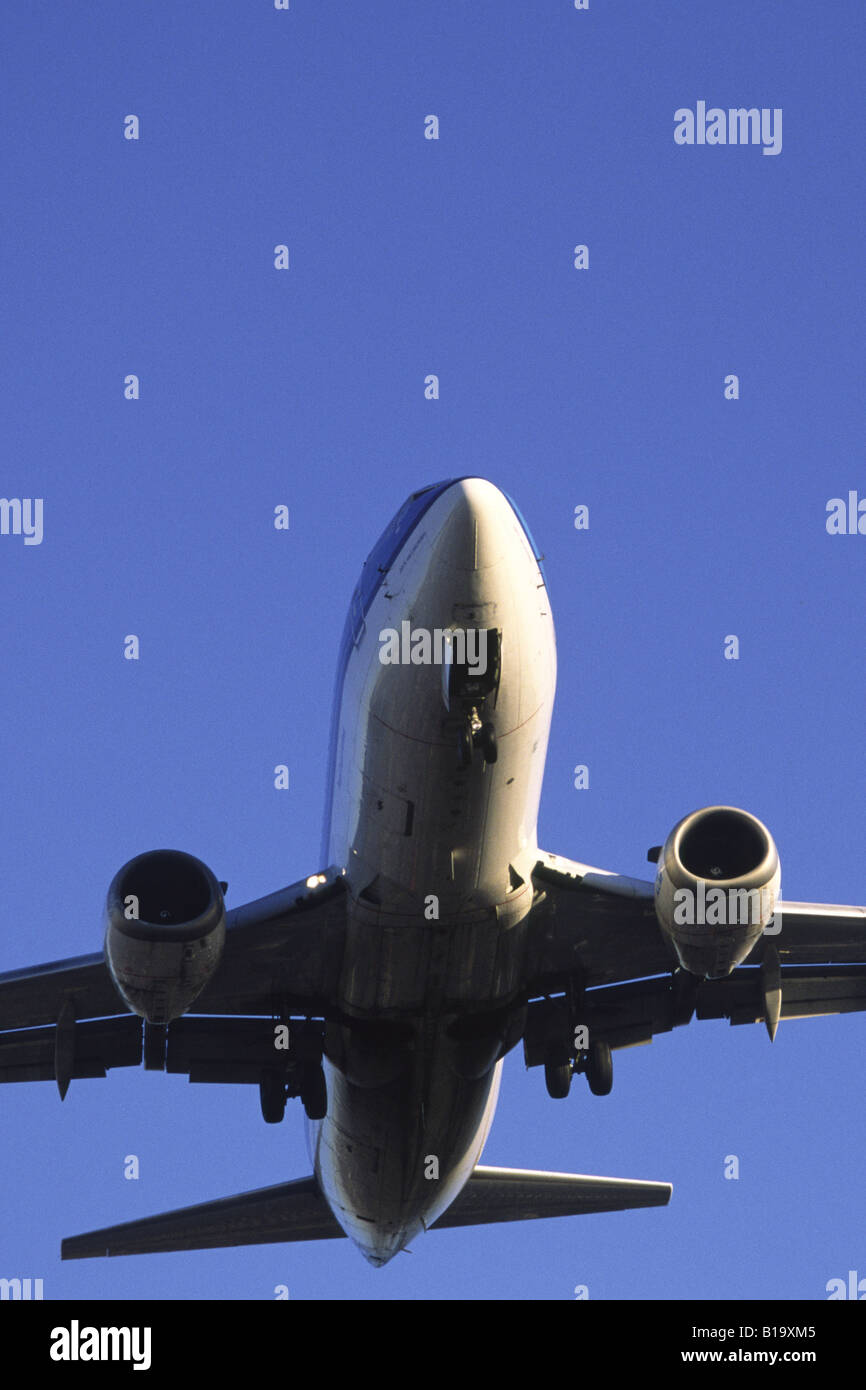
(314, 1092)
(557, 1079)
(487, 743)
(464, 747)
(599, 1069)
(272, 1095)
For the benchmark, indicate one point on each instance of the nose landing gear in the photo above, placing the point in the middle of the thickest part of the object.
(486, 741)
(473, 734)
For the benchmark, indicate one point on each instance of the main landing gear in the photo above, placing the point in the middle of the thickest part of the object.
(299, 1072)
(596, 1064)
(274, 1091)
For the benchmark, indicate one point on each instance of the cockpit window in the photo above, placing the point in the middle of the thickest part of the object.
(392, 540)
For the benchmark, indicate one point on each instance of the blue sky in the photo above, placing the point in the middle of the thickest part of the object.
(306, 387)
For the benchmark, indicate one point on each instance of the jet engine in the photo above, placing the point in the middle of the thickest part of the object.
(164, 935)
(716, 888)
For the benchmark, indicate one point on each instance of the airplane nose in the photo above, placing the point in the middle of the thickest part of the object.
(474, 533)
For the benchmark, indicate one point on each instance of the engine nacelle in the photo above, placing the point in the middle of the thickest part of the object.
(165, 930)
(716, 888)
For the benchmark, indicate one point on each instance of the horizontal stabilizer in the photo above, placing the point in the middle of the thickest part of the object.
(293, 1211)
(288, 1211)
(521, 1194)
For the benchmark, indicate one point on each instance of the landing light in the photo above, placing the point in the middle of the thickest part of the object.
(315, 879)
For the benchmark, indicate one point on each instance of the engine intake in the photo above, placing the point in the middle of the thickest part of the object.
(165, 930)
(716, 888)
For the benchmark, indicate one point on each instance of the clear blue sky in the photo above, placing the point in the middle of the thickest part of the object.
(305, 387)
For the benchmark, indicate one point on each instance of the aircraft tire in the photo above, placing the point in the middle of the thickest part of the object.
(487, 743)
(599, 1069)
(272, 1096)
(314, 1093)
(464, 747)
(557, 1079)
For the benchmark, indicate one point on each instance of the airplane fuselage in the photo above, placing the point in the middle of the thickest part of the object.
(438, 841)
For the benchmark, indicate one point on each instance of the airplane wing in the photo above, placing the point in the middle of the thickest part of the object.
(283, 954)
(601, 925)
(286, 949)
(596, 932)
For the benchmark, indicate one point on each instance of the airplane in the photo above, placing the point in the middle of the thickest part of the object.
(386, 989)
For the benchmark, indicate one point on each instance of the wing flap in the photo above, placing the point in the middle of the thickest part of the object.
(37, 994)
(634, 1013)
(30, 1054)
(237, 1050)
(807, 992)
(813, 933)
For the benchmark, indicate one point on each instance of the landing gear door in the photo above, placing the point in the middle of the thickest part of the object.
(447, 663)
(471, 666)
